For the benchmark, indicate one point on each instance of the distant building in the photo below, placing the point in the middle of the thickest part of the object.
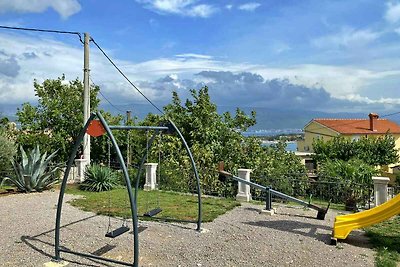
(349, 128)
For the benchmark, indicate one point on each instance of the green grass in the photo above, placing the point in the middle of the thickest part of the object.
(174, 205)
(5, 188)
(385, 238)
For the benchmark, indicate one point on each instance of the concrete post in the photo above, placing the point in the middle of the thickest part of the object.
(151, 176)
(380, 189)
(243, 189)
(81, 167)
(86, 96)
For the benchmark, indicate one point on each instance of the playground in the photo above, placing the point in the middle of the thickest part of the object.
(241, 237)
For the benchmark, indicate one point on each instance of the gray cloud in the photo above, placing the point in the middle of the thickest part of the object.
(9, 66)
(248, 90)
(30, 55)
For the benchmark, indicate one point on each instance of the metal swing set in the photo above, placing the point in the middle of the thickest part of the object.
(97, 126)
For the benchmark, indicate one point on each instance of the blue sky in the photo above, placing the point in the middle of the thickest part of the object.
(315, 55)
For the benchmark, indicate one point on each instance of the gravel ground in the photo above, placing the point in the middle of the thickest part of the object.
(242, 237)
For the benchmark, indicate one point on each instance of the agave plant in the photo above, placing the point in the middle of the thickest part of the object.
(33, 172)
(99, 178)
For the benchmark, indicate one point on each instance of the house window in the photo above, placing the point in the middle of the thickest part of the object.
(355, 137)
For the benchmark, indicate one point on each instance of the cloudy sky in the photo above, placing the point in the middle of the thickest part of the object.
(312, 54)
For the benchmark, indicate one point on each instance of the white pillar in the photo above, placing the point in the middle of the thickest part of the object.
(151, 176)
(243, 189)
(81, 167)
(380, 189)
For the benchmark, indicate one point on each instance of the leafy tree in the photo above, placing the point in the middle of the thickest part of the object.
(352, 178)
(212, 138)
(282, 170)
(57, 119)
(7, 151)
(373, 151)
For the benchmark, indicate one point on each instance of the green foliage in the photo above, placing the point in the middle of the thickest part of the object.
(282, 170)
(373, 151)
(99, 178)
(34, 172)
(99, 145)
(57, 119)
(385, 238)
(7, 151)
(212, 138)
(353, 179)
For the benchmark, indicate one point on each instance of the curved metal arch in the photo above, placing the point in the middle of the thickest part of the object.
(196, 174)
(128, 185)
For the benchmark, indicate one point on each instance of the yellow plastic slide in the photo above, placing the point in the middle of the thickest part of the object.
(344, 224)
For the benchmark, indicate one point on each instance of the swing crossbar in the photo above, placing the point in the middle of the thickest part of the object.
(152, 212)
(127, 127)
(117, 232)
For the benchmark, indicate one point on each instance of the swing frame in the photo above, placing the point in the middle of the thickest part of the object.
(132, 197)
(169, 128)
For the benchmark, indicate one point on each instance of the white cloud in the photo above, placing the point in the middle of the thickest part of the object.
(249, 6)
(45, 58)
(229, 7)
(347, 37)
(192, 55)
(65, 8)
(363, 99)
(392, 14)
(188, 8)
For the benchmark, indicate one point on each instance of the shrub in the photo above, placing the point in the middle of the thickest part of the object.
(7, 152)
(353, 179)
(99, 178)
(34, 173)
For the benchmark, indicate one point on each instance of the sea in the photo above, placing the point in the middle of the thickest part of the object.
(291, 146)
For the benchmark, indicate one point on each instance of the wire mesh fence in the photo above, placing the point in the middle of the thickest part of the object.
(341, 193)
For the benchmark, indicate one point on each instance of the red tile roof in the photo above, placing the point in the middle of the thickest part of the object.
(360, 126)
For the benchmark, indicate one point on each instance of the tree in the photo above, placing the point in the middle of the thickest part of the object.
(57, 119)
(7, 152)
(373, 151)
(352, 179)
(212, 138)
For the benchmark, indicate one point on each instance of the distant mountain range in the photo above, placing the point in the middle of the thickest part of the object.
(269, 121)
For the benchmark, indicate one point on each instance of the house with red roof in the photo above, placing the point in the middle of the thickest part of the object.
(355, 129)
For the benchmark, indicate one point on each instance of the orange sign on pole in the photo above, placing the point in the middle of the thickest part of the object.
(95, 128)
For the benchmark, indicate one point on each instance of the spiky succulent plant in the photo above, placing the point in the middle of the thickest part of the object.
(33, 173)
(99, 178)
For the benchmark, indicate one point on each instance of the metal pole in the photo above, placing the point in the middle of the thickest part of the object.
(129, 187)
(128, 146)
(86, 96)
(196, 174)
(64, 185)
(145, 128)
(268, 198)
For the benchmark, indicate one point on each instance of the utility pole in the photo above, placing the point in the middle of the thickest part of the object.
(86, 96)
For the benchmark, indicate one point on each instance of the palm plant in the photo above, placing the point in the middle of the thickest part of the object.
(33, 172)
(99, 178)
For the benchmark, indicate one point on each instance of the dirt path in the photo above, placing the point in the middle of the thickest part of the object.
(242, 237)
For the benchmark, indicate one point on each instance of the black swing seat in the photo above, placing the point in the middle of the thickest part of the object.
(117, 232)
(152, 212)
